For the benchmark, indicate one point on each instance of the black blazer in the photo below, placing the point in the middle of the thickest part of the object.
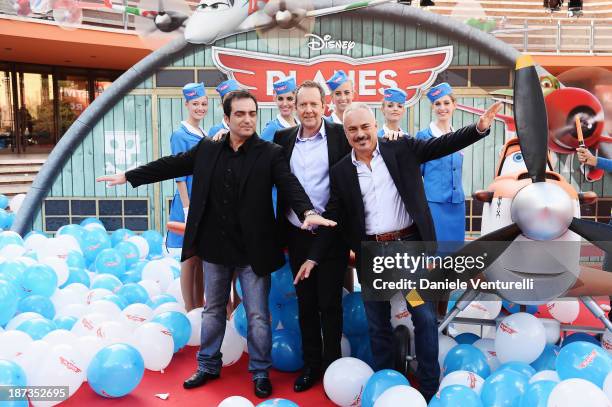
(403, 159)
(265, 165)
(337, 148)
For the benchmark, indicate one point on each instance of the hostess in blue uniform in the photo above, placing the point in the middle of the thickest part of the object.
(223, 89)
(442, 177)
(342, 94)
(393, 108)
(181, 140)
(284, 91)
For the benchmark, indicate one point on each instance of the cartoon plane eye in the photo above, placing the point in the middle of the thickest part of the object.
(546, 83)
(216, 6)
(517, 158)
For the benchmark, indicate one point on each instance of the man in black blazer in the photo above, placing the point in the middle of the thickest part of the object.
(377, 194)
(231, 227)
(312, 148)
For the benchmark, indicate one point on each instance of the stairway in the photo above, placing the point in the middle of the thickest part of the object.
(18, 171)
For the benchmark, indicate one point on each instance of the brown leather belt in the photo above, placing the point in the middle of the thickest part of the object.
(395, 235)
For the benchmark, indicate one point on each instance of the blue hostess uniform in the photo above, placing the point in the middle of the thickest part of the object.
(392, 95)
(183, 139)
(223, 89)
(286, 85)
(443, 186)
(333, 83)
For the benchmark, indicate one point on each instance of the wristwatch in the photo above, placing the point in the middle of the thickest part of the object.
(310, 212)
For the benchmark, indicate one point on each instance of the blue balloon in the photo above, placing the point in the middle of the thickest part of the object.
(378, 383)
(467, 338)
(155, 241)
(108, 281)
(176, 272)
(282, 289)
(12, 271)
(161, 299)
(116, 299)
(8, 237)
(238, 288)
(178, 325)
(513, 307)
(76, 231)
(39, 279)
(94, 242)
(466, 357)
(11, 374)
(5, 220)
(4, 201)
(77, 275)
(65, 322)
(547, 360)
(129, 251)
(121, 235)
(133, 293)
(520, 367)
(584, 360)
(37, 303)
(504, 388)
(458, 395)
(289, 316)
(537, 394)
(240, 320)
(579, 337)
(286, 351)
(355, 322)
(115, 370)
(75, 259)
(37, 328)
(131, 276)
(87, 221)
(361, 348)
(277, 402)
(435, 401)
(110, 261)
(8, 301)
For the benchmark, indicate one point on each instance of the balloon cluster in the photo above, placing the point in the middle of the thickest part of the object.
(8, 210)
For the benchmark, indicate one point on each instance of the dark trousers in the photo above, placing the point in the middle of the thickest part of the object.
(319, 300)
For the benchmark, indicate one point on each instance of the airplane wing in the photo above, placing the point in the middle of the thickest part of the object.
(346, 7)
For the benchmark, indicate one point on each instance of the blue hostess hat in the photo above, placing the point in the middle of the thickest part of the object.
(285, 85)
(336, 80)
(395, 95)
(439, 91)
(193, 91)
(227, 86)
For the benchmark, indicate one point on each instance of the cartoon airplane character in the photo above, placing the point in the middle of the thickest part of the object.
(216, 19)
(528, 202)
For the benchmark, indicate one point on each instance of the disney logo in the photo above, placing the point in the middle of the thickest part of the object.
(317, 43)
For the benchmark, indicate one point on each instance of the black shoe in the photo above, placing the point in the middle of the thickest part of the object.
(307, 379)
(263, 387)
(198, 379)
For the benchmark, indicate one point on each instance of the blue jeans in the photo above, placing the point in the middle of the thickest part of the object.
(255, 292)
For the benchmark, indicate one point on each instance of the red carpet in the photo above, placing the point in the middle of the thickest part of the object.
(235, 381)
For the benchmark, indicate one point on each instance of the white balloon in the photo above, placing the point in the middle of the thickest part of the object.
(577, 392)
(195, 318)
(70, 242)
(520, 337)
(401, 395)
(12, 343)
(72, 310)
(564, 310)
(30, 359)
(232, 346)
(345, 379)
(607, 386)
(345, 346)
(112, 332)
(399, 312)
(142, 245)
(151, 287)
(20, 318)
(136, 314)
(464, 378)
(34, 241)
(160, 272)
(61, 367)
(445, 343)
(59, 266)
(52, 248)
(155, 344)
(549, 375)
(87, 347)
(16, 201)
(169, 306)
(97, 294)
(552, 329)
(236, 401)
(88, 324)
(606, 341)
(487, 346)
(171, 261)
(60, 337)
(12, 251)
(475, 310)
(105, 307)
(73, 294)
(174, 289)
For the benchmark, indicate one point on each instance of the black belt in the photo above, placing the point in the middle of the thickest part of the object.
(395, 235)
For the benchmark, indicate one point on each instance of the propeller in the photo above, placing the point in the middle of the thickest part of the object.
(160, 20)
(283, 24)
(597, 233)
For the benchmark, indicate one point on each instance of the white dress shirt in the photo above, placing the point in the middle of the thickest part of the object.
(383, 206)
